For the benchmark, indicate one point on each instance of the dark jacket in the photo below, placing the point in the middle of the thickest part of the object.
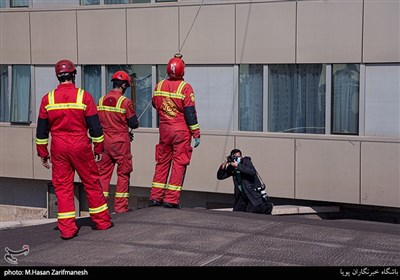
(250, 180)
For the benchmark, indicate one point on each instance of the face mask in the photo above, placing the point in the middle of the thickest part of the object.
(238, 160)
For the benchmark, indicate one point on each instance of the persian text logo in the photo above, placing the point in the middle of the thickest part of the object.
(10, 254)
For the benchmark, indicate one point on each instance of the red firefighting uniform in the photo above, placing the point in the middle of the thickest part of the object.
(174, 101)
(116, 115)
(68, 112)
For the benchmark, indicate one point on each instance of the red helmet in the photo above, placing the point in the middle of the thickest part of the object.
(122, 76)
(64, 66)
(176, 67)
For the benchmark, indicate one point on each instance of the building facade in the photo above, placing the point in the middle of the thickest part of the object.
(310, 89)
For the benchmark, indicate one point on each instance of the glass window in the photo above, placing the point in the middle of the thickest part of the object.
(115, 2)
(92, 81)
(213, 87)
(345, 92)
(382, 100)
(19, 3)
(90, 2)
(4, 95)
(140, 91)
(3, 3)
(20, 94)
(143, 91)
(251, 97)
(296, 98)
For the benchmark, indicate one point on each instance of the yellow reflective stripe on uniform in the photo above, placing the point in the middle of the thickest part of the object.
(160, 85)
(42, 141)
(66, 215)
(180, 87)
(101, 101)
(194, 127)
(174, 188)
(169, 94)
(116, 109)
(98, 209)
(98, 139)
(105, 194)
(66, 106)
(121, 194)
(163, 93)
(51, 97)
(111, 109)
(158, 185)
(60, 106)
(119, 102)
(79, 96)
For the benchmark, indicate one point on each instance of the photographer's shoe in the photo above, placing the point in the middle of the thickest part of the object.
(171, 205)
(153, 202)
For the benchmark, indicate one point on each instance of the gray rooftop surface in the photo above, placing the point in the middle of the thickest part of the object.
(158, 236)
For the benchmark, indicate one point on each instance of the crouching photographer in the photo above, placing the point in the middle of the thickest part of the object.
(249, 192)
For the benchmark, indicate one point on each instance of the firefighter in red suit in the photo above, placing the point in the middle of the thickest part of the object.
(174, 100)
(68, 113)
(117, 115)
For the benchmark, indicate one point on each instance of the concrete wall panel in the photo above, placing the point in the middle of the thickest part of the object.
(329, 31)
(53, 37)
(380, 174)
(201, 174)
(15, 45)
(16, 153)
(152, 44)
(102, 36)
(212, 37)
(265, 33)
(274, 160)
(381, 31)
(328, 170)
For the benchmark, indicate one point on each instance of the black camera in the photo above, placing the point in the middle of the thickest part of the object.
(264, 194)
(231, 158)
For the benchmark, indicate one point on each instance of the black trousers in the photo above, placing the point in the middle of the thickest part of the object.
(243, 204)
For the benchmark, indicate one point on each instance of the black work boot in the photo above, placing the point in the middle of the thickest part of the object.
(153, 202)
(171, 205)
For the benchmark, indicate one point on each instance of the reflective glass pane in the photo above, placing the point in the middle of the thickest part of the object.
(251, 97)
(141, 85)
(20, 93)
(345, 92)
(90, 2)
(296, 98)
(92, 81)
(4, 95)
(19, 3)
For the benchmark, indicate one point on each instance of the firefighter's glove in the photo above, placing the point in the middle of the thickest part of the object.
(196, 142)
(131, 135)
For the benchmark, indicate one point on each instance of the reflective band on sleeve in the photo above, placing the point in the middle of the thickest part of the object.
(105, 194)
(42, 141)
(98, 139)
(98, 209)
(194, 127)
